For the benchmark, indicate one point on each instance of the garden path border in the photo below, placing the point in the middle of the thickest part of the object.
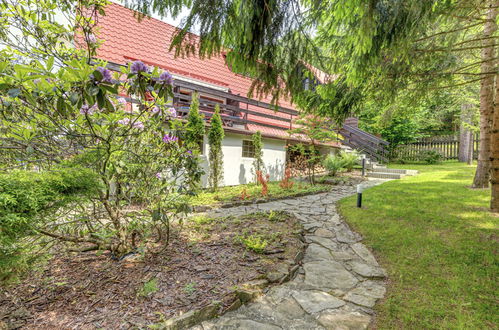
(337, 285)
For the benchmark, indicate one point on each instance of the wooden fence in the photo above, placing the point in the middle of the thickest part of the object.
(446, 145)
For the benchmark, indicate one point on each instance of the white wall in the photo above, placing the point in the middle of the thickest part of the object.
(239, 169)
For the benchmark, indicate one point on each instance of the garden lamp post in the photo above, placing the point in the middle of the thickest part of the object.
(360, 189)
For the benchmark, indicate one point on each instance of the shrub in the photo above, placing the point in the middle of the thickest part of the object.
(350, 159)
(244, 194)
(334, 164)
(28, 202)
(254, 243)
(430, 156)
(264, 182)
(286, 182)
(215, 137)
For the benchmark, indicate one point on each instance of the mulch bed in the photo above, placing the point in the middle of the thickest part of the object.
(203, 263)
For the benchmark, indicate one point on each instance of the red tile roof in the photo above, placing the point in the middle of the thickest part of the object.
(124, 38)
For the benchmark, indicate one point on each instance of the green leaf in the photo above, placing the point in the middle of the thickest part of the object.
(14, 92)
(50, 63)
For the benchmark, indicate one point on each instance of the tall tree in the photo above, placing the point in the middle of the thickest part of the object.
(194, 134)
(215, 138)
(489, 65)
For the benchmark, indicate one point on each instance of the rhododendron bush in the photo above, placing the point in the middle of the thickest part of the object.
(66, 111)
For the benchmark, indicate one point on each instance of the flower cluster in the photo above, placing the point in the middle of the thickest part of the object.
(138, 125)
(88, 110)
(172, 112)
(168, 138)
(139, 66)
(91, 39)
(124, 121)
(106, 75)
(166, 78)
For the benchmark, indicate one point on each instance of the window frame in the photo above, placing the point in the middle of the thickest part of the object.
(245, 153)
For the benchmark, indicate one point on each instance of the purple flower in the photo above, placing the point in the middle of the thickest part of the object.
(168, 138)
(106, 74)
(158, 175)
(166, 78)
(139, 66)
(121, 101)
(172, 112)
(88, 110)
(138, 124)
(125, 121)
(156, 110)
(36, 81)
(91, 39)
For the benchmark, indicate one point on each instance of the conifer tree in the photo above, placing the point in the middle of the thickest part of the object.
(258, 165)
(195, 126)
(215, 137)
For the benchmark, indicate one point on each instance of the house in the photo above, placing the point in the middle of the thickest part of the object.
(125, 39)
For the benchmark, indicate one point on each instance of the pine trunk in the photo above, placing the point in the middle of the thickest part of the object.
(482, 174)
(494, 153)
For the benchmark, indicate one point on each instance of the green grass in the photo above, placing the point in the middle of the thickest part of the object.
(439, 244)
(225, 194)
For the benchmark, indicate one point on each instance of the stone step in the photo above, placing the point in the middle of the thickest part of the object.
(394, 170)
(384, 175)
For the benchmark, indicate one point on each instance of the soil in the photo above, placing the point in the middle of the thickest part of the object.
(204, 262)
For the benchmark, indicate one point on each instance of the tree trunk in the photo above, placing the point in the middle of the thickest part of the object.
(494, 152)
(482, 174)
(465, 134)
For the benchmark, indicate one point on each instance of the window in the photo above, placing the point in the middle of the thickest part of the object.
(248, 149)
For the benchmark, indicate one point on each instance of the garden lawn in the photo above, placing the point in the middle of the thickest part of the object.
(439, 244)
(253, 191)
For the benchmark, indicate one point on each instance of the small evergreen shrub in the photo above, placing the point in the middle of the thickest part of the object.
(215, 138)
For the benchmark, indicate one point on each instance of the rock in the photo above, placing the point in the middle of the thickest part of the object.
(360, 300)
(367, 271)
(290, 309)
(317, 301)
(235, 305)
(256, 284)
(364, 253)
(344, 321)
(317, 252)
(327, 275)
(372, 289)
(190, 318)
(246, 295)
(342, 256)
(299, 256)
(323, 233)
(246, 324)
(345, 235)
(310, 226)
(325, 242)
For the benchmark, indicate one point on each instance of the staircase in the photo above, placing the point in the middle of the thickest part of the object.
(373, 148)
(370, 145)
(375, 170)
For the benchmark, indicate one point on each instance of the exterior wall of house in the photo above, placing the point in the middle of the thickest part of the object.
(239, 169)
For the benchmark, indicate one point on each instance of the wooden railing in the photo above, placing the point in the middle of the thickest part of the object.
(364, 142)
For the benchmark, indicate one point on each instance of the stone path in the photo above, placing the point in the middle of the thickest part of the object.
(337, 285)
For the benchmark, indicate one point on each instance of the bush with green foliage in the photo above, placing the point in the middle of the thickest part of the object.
(215, 138)
(60, 106)
(430, 156)
(350, 159)
(334, 164)
(31, 203)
